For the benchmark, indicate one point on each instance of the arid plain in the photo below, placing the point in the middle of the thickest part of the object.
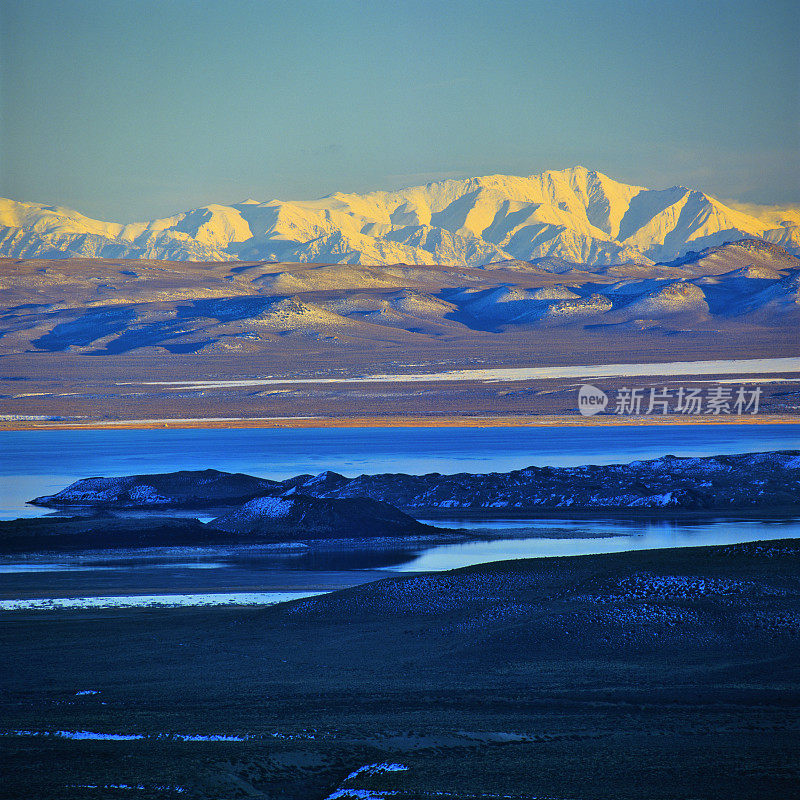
(99, 341)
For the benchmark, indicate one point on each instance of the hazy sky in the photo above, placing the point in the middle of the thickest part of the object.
(131, 110)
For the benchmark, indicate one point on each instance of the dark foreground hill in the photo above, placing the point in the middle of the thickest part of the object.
(659, 675)
(751, 481)
(70, 534)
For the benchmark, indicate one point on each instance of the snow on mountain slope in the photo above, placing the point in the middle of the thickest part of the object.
(672, 298)
(573, 215)
(103, 306)
(783, 222)
(746, 254)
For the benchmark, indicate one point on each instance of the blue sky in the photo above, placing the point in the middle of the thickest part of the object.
(131, 110)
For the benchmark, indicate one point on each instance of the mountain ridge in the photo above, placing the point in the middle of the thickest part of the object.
(106, 306)
(721, 482)
(575, 214)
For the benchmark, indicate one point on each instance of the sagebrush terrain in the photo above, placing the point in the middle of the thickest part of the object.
(94, 339)
(653, 675)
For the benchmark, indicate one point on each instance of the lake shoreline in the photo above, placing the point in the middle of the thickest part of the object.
(408, 421)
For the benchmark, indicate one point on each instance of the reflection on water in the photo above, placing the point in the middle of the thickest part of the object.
(190, 571)
(568, 538)
(242, 568)
(477, 521)
(79, 566)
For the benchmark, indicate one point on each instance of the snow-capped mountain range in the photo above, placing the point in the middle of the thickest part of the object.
(576, 215)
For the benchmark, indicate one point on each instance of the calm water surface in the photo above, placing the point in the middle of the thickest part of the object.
(574, 538)
(242, 569)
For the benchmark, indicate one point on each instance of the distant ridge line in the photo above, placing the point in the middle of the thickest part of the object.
(576, 215)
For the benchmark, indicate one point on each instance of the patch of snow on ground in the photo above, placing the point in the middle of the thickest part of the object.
(140, 787)
(274, 507)
(153, 601)
(672, 368)
(92, 736)
(377, 769)
(145, 494)
(180, 737)
(368, 770)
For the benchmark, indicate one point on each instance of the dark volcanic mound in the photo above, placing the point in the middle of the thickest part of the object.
(264, 520)
(298, 515)
(748, 482)
(764, 482)
(189, 488)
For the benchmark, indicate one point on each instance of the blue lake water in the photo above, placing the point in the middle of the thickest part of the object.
(213, 575)
(546, 538)
(41, 462)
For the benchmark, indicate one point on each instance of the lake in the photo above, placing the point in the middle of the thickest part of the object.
(254, 574)
(33, 463)
(40, 462)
